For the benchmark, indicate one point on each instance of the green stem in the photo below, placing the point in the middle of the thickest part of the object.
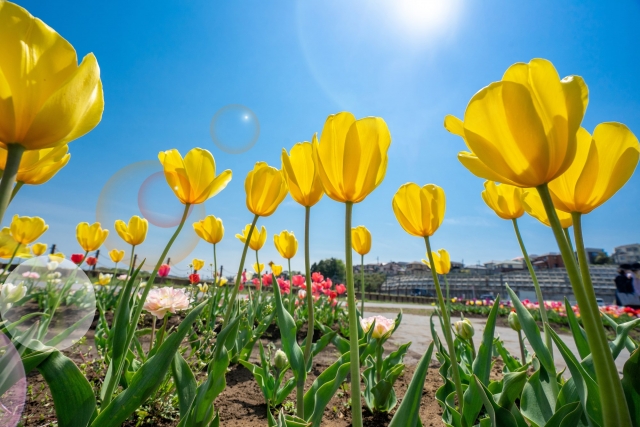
(446, 329)
(568, 236)
(291, 299)
(214, 300)
(133, 252)
(356, 405)
(446, 285)
(309, 294)
(115, 379)
(362, 284)
(163, 330)
(259, 277)
(234, 294)
(17, 188)
(614, 407)
(536, 285)
(14, 155)
(153, 332)
(522, 355)
(379, 360)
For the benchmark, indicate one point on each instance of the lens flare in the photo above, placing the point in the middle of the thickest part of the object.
(13, 384)
(235, 129)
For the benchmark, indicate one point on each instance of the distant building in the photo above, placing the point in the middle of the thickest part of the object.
(547, 261)
(416, 267)
(368, 268)
(626, 254)
(593, 253)
(504, 266)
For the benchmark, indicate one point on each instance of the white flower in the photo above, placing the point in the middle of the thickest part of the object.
(166, 299)
(52, 265)
(123, 277)
(302, 294)
(12, 293)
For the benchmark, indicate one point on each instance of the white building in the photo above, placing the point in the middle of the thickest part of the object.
(626, 254)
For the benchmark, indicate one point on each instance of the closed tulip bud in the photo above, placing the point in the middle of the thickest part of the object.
(26, 229)
(91, 261)
(286, 244)
(419, 211)
(77, 258)
(47, 99)
(12, 293)
(603, 164)
(164, 270)
(116, 255)
(464, 328)
(39, 249)
(91, 237)
(361, 239)
(280, 360)
(194, 278)
(382, 329)
(534, 207)
(198, 264)
(258, 267)
(522, 129)
(352, 156)
(514, 323)
(222, 281)
(39, 166)
(441, 260)
(193, 179)
(303, 179)
(258, 237)
(275, 269)
(504, 199)
(266, 188)
(209, 229)
(133, 233)
(204, 288)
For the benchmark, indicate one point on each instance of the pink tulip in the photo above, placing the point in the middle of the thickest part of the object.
(164, 270)
(166, 300)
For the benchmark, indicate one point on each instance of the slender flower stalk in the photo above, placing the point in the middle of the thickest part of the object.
(446, 329)
(446, 285)
(523, 358)
(356, 405)
(536, 285)
(234, 294)
(291, 298)
(362, 286)
(614, 405)
(14, 155)
(309, 294)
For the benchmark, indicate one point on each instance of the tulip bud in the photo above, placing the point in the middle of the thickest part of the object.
(464, 328)
(514, 322)
(12, 293)
(280, 360)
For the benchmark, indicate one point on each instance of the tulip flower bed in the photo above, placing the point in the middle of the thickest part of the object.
(123, 351)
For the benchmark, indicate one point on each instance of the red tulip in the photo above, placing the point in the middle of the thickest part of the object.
(317, 277)
(298, 280)
(194, 278)
(284, 285)
(266, 280)
(164, 270)
(91, 261)
(77, 258)
(341, 289)
(256, 282)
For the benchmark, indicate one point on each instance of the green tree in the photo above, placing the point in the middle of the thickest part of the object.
(372, 281)
(332, 268)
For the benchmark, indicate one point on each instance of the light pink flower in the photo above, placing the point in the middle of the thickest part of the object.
(166, 299)
(383, 326)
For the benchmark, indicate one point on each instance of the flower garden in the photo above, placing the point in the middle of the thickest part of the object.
(131, 348)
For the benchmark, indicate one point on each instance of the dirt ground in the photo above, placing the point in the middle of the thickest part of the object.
(241, 404)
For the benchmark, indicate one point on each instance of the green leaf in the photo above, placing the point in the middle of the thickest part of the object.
(631, 346)
(408, 413)
(72, 394)
(579, 335)
(324, 387)
(500, 417)
(68, 331)
(566, 416)
(531, 331)
(537, 402)
(631, 386)
(148, 378)
(510, 362)
(512, 385)
(482, 362)
(185, 383)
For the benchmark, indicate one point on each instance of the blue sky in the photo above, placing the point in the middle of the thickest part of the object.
(168, 67)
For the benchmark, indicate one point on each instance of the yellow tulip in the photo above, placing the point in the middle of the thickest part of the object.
(39, 166)
(57, 257)
(275, 268)
(522, 129)
(26, 229)
(286, 244)
(222, 281)
(361, 239)
(257, 237)
(198, 264)
(258, 267)
(91, 237)
(352, 156)
(419, 211)
(104, 279)
(39, 249)
(441, 260)
(46, 99)
(266, 187)
(193, 179)
(302, 174)
(534, 207)
(133, 233)
(116, 255)
(210, 229)
(603, 164)
(504, 199)
(8, 246)
(203, 287)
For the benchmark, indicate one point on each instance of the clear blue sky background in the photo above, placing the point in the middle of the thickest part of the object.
(167, 67)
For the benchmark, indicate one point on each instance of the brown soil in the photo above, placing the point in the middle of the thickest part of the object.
(241, 404)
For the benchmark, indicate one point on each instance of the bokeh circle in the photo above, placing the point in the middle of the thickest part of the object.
(141, 189)
(13, 384)
(234, 128)
(54, 303)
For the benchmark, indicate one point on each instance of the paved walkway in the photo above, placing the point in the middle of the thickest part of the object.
(415, 328)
